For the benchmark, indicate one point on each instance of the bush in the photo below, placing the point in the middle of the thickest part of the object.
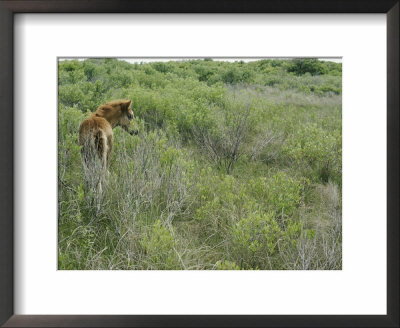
(226, 265)
(219, 204)
(320, 150)
(279, 194)
(223, 143)
(303, 66)
(232, 132)
(158, 246)
(255, 240)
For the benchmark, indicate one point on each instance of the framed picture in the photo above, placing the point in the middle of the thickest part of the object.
(185, 165)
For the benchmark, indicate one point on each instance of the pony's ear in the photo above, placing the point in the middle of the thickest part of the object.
(103, 110)
(126, 103)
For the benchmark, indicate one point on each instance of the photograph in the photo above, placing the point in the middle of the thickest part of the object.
(199, 163)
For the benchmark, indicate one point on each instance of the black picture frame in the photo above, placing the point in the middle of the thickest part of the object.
(10, 7)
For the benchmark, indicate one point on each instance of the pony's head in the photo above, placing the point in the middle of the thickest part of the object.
(119, 113)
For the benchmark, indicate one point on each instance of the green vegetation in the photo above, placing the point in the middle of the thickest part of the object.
(236, 166)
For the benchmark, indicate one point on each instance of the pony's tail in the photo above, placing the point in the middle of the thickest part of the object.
(100, 142)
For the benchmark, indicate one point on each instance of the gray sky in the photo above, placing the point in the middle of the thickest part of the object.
(228, 59)
(133, 60)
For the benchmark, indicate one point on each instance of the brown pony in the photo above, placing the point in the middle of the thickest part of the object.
(96, 134)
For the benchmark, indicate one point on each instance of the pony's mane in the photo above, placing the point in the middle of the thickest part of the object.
(115, 102)
(108, 110)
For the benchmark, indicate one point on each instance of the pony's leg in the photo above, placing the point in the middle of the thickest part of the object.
(103, 152)
(99, 187)
(87, 166)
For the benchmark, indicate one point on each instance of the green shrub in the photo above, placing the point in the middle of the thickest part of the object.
(321, 151)
(158, 246)
(303, 66)
(279, 194)
(219, 204)
(255, 240)
(226, 265)
(283, 193)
